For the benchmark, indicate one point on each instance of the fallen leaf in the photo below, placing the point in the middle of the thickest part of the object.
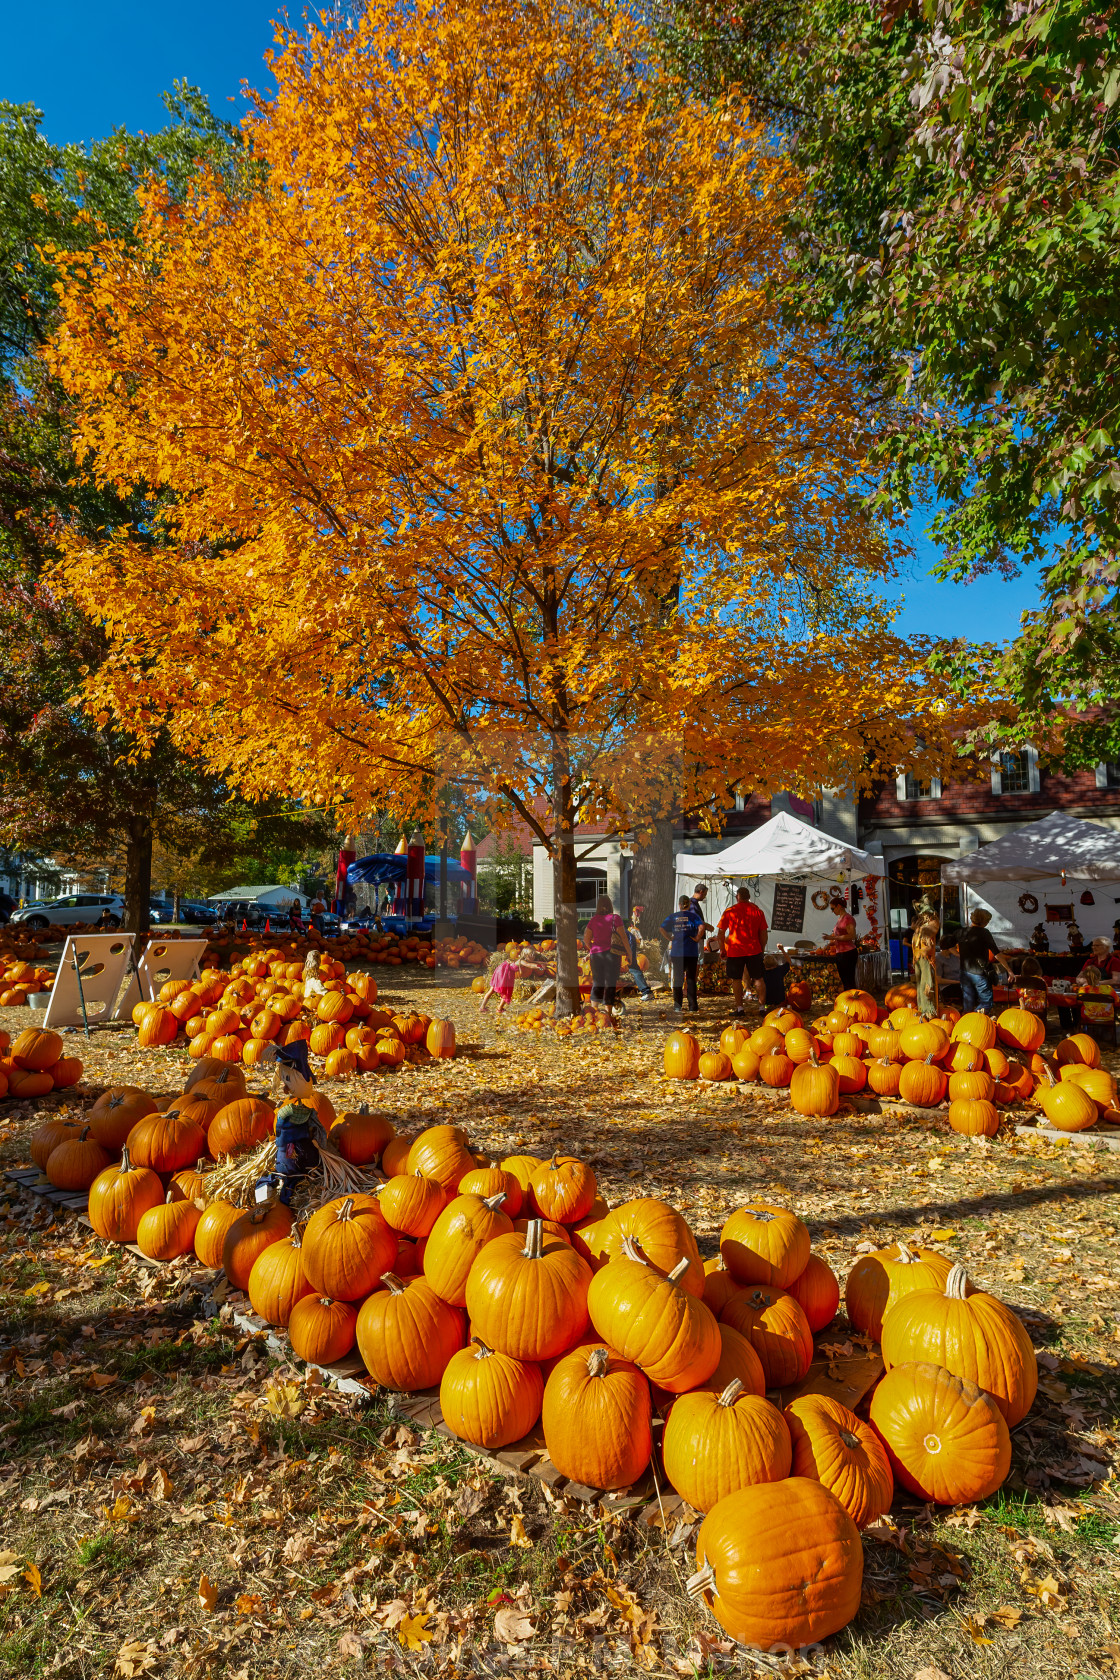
(161, 1484)
(136, 1656)
(510, 1626)
(1007, 1616)
(248, 1604)
(518, 1536)
(144, 1421)
(34, 1580)
(349, 1644)
(946, 1235)
(414, 1632)
(207, 1594)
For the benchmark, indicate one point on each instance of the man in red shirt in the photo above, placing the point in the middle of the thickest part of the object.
(743, 932)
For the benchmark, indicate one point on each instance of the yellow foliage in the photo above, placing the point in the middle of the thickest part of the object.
(480, 449)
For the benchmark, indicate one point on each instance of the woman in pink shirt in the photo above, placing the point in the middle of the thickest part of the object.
(842, 946)
(605, 938)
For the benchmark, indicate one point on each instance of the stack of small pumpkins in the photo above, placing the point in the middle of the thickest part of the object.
(978, 1063)
(19, 978)
(34, 1065)
(232, 1014)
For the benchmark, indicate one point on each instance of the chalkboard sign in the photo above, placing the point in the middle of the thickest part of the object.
(789, 907)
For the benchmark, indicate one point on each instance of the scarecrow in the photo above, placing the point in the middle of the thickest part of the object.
(299, 1131)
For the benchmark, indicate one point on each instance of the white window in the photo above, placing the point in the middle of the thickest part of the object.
(1016, 771)
(908, 787)
(740, 802)
(1108, 775)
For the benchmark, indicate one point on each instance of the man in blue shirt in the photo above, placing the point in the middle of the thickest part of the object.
(684, 931)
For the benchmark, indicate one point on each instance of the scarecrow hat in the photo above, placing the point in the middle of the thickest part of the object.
(295, 1056)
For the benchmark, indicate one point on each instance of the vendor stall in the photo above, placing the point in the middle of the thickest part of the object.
(801, 879)
(1059, 872)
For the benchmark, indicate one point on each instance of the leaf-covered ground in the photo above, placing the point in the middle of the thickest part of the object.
(178, 1503)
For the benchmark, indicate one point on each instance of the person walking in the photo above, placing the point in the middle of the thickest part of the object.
(842, 948)
(978, 952)
(605, 939)
(684, 950)
(742, 933)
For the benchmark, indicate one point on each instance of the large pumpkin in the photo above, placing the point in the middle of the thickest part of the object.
(971, 1334)
(167, 1230)
(974, 1117)
(48, 1136)
(441, 1152)
(115, 1113)
(1021, 1030)
(360, 1137)
(978, 1030)
(456, 1240)
(779, 1564)
(715, 1444)
(411, 1203)
(651, 1319)
(76, 1160)
(596, 1418)
(347, 1245)
(922, 1083)
(166, 1142)
(527, 1296)
(762, 1243)
(407, 1335)
(563, 1189)
(495, 1181)
(159, 1026)
(947, 1440)
(239, 1126)
(682, 1056)
(120, 1196)
(36, 1050)
(878, 1280)
(277, 1280)
(321, 1330)
(248, 1236)
(210, 1236)
(661, 1234)
(1068, 1107)
(489, 1399)
(778, 1331)
(817, 1293)
(814, 1088)
(738, 1362)
(834, 1447)
(439, 1039)
(522, 1167)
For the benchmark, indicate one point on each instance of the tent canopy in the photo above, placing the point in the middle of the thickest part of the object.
(381, 867)
(1055, 845)
(782, 847)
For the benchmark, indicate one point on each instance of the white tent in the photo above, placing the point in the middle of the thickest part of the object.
(781, 848)
(1054, 846)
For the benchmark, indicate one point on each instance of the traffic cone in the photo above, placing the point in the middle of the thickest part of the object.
(268, 924)
(244, 925)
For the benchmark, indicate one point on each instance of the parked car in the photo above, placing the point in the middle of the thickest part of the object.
(75, 907)
(191, 913)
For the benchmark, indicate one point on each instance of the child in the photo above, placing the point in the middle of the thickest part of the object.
(1098, 1008)
(501, 985)
(312, 985)
(1031, 990)
(774, 978)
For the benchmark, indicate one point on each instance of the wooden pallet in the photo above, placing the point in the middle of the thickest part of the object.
(38, 1185)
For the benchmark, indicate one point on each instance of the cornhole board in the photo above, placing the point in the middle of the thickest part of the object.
(102, 959)
(164, 960)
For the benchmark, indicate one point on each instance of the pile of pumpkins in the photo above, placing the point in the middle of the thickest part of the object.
(230, 1015)
(34, 1065)
(588, 1020)
(19, 978)
(979, 1064)
(458, 952)
(515, 1290)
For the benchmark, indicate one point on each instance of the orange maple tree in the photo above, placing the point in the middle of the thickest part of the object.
(479, 451)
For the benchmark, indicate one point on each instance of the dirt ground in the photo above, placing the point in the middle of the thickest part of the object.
(177, 1502)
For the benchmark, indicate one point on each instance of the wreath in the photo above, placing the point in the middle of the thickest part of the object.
(821, 900)
(1028, 902)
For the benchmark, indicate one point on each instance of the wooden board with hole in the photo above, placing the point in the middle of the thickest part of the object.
(1080, 1140)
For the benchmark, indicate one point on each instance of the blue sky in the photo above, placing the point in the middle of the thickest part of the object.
(91, 67)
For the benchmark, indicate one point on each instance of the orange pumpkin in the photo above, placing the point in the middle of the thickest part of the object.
(120, 1196)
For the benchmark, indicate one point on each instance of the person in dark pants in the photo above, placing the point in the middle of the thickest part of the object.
(978, 952)
(774, 974)
(7, 905)
(684, 951)
(605, 939)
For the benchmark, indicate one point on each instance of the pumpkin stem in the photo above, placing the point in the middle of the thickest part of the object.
(679, 1270)
(296, 1238)
(363, 1108)
(848, 1438)
(83, 1134)
(956, 1284)
(904, 1257)
(731, 1393)
(126, 1163)
(494, 1203)
(702, 1582)
(632, 1249)
(484, 1352)
(168, 1199)
(597, 1361)
(346, 1211)
(534, 1240)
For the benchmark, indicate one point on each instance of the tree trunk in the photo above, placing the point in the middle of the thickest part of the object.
(178, 902)
(136, 917)
(564, 882)
(653, 877)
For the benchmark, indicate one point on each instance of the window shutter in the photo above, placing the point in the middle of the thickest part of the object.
(1102, 775)
(900, 786)
(935, 787)
(1032, 769)
(997, 774)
